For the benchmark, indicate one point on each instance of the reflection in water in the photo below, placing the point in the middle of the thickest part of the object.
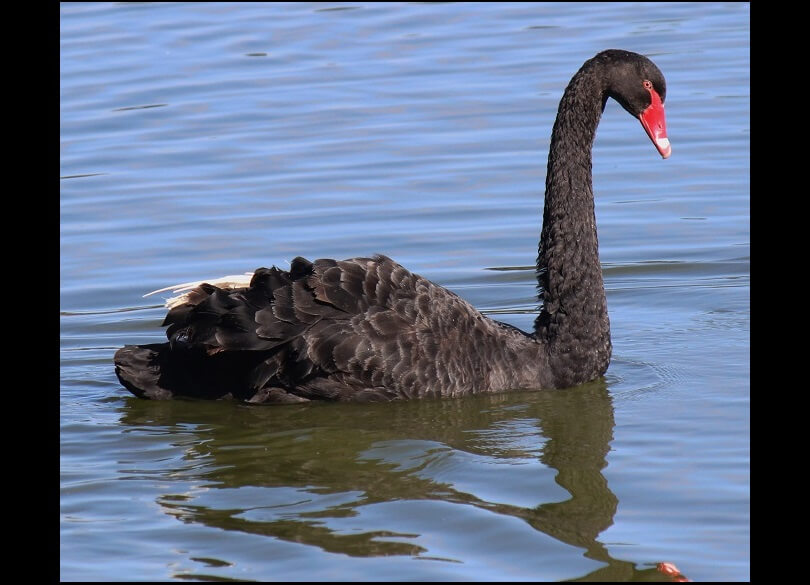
(295, 472)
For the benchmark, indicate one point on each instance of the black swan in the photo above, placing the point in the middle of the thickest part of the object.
(367, 329)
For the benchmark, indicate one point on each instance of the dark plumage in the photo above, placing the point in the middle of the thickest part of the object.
(368, 329)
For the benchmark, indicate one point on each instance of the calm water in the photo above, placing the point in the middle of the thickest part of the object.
(199, 140)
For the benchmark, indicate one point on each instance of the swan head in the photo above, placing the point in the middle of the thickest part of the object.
(639, 86)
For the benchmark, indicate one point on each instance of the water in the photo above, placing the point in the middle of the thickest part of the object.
(199, 140)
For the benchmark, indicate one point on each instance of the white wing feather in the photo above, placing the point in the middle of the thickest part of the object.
(227, 282)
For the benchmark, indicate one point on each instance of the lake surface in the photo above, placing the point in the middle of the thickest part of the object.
(199, 140)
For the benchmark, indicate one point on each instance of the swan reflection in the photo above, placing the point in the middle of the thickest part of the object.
(395, 479)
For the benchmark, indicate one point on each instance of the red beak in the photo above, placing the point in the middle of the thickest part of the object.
(655, 123)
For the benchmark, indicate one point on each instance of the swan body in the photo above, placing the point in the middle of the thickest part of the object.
(367, 329)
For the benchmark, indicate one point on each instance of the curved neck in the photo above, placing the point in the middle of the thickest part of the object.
(573, 320)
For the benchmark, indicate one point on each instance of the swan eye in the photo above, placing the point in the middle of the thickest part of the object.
(647, 84)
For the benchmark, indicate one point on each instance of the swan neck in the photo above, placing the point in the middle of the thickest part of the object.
(573, 320)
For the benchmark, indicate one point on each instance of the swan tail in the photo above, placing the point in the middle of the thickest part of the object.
(161, 371)
(139, 371)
